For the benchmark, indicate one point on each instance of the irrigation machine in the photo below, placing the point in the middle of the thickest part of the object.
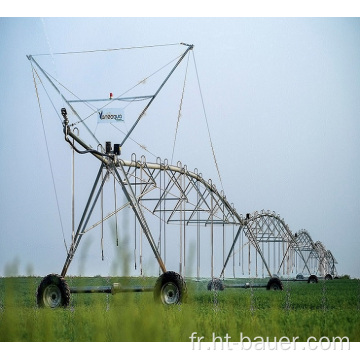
(173, 209)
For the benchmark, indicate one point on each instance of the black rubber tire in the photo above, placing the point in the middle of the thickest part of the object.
(274, 284)
(313, 279)
(53, 292)
(215, 285)
(299, 277)
(170, 289)
(328, 277)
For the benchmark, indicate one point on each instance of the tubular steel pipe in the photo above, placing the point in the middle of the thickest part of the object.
(113, 289)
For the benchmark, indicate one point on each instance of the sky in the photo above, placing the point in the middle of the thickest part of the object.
(281, 101)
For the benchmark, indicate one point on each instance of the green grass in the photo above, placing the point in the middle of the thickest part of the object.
(302, 310)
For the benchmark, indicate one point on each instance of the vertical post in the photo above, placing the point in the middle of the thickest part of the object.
(283, 260)
(269, 262)
(141, 230)
(181, 228)
(274, 249)
(135, 232)
(256, 263)
(102, 217)
(233, 234)
(116, 222)
(242, 253)
(164, 218)
(262, 264)
(223, 238)
(198, 232)
(212, 239)
(249, 259)
(73, 197)
(161, 215)
(184, 225)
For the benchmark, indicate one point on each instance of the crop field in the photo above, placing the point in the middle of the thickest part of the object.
(329, 308)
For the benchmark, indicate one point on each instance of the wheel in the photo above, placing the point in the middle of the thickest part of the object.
(53, 292)
(216, 285)
(328, 277)
(312, 279)
(299, 277)
(274, 284)
(170, 288)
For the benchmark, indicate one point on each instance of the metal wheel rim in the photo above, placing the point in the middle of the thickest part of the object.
(275, 287)
(52, 296)
(170, 293)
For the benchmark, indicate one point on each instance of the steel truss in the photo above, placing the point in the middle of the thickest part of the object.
(273, 242)
(173, 194)
(317, 258)
(177, 196)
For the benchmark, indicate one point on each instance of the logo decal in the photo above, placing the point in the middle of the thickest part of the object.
(110, 115)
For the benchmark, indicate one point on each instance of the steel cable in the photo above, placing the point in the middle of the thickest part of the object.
(179, 113)
(207, 124)
(104, 50)
(49, 159)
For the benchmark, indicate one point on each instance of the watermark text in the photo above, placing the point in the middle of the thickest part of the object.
(243, 342)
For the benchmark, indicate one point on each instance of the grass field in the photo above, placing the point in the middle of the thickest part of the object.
(329, 308)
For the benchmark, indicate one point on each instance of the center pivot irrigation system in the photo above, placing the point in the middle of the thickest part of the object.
(177, 212)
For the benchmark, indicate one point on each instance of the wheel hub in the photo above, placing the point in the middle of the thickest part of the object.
(52, 296)
(170, 293)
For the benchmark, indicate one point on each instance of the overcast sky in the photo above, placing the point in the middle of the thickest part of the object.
(282, 102)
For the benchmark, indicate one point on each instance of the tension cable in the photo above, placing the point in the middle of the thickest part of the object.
(207, 124)
(104, 50)
(180, 108)
(49, 159)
